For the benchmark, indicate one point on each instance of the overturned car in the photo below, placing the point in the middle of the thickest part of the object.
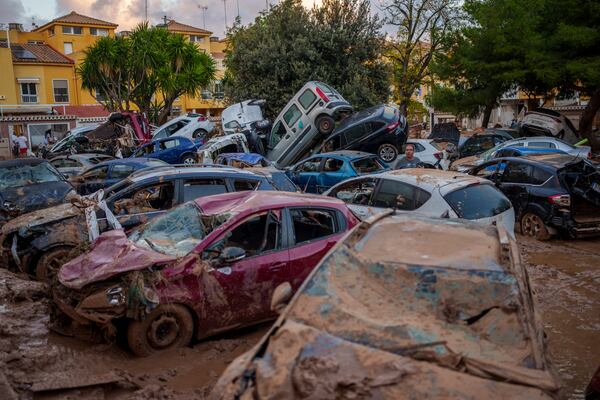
(402, 309)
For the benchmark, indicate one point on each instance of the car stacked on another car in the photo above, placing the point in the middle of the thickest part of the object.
(481, 142)
(428, 192)
(39, 243)
(550, 193)
(172, 150)
(546, 122)
(431, 153)
(207, 266)
(318, 173)
(192, 126)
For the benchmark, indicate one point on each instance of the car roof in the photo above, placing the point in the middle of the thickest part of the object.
(429, 178)
(536, 150)
(169, 170)
(347, 154)
(172, 137)
(21, 162)
(556, 160)
(131, 161)
(247, 201)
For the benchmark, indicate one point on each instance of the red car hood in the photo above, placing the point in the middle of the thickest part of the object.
(110, 254)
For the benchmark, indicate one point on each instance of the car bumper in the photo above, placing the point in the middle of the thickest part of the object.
(576, 229)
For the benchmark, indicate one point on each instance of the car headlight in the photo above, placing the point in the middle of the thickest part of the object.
(115, 296)
(10, 206)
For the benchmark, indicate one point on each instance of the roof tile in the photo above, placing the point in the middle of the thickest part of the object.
(75, 18)
(175, 26)
(37, 53)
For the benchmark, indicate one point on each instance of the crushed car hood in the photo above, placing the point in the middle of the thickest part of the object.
(466, 162)
(41, 217)
(112, 253)
(34, 197)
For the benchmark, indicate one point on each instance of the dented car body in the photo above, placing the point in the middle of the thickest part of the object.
(402, 309)
(207, 266)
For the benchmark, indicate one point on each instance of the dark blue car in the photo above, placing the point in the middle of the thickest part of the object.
(172, 150)
(318, 173)
(110, 172)
(520, 151)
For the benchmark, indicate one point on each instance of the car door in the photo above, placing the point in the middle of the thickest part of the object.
(169, 151)
(357, 194)
(313, 231)
(395, 194)
(331, 172)
(245, 286)
(305, 174)
(92, 180)
(514, 183)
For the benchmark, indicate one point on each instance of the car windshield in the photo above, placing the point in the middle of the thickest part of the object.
(436, 145)
(477, 201)
(177, 232)
(22, 175)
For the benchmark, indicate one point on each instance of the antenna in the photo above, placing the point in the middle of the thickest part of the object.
(225, 8)
(203, 8)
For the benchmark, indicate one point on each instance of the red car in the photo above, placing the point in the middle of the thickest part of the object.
(207, 266)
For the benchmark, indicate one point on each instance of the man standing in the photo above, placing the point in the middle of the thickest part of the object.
(22, 145)
(408, 160)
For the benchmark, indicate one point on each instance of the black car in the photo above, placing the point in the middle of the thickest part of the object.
(445, 132)
(29, 184)
(482, 142)
(550, 193)
(44, 240)
(380, 130)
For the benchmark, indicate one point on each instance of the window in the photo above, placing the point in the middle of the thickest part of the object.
(539, 176)
(192, 189)
(292, 115)
(147, 199)
(171, 129)
(96, 173)
(542, 145)
(354, 133)
(51, 32)
(517, 173)
(100, 95)
(169, 144)
(196, 39)
(332, 165)
(233, 125)
(68, 47)
(332, 144)
(277, 134)
(357, 192)
(376, 125)
(241, 185)
(312, 224)
(307, 99)
(145, 150)
(311, 165)
(368, 165)
(418, 147)
(29, 93)
(399, 195)
(61, 90)
(72, 30)
(257, 235)
(477, 201)
(98, 32)
(121, 171)
(66, 163)
(35, 42)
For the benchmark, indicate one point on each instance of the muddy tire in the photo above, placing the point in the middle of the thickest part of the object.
(188, 159)
(51, 261)
(325, 124)
(199, 133)
(387, 152)
(167, 327)
(532, 225)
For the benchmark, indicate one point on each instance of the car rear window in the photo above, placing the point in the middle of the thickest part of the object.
(477, 201)
(367, 165)
(307, 98)
(325, 88)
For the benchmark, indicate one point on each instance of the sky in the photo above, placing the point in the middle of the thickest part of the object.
(127, 13)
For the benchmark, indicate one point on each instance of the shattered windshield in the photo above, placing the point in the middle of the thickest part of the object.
(177, 232)
(22, 175)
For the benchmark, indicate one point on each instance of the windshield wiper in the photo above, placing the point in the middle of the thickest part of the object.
(152, 245)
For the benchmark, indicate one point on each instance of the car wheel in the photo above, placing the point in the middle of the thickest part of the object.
(51, 261)
(532, 225)
(325, 124)
(199, 133)
(188, 159)
(167, 327)
(387, 152)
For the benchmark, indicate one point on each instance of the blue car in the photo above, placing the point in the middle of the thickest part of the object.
(172, 150)
(108, 173)
(318, 173)
(242, 160)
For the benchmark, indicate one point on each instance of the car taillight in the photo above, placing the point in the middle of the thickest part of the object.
(392, 126)
(590, 155)
(201, 118)
(322, 95)
(563, 200)
(438, 155)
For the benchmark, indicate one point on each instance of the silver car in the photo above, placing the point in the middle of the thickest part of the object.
(309, 117)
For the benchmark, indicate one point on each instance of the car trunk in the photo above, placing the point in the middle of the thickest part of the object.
(582, 180)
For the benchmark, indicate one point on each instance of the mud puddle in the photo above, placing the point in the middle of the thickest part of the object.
(566, 278)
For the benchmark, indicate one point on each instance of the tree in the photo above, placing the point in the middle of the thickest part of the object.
(422, 28)
(338, 43)
(148, 69)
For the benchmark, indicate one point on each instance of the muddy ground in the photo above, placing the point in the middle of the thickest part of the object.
(565, 276)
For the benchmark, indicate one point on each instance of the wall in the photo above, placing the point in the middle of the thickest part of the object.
(8, 80)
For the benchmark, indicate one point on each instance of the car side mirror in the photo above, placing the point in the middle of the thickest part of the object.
(232, 254)
(445, 214)
(281, 295)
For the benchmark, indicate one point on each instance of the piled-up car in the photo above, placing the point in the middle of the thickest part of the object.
(207, 266)
(402, 309)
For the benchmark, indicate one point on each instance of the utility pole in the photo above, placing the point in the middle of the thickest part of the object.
(225, 8)
(146, 10)
(165, 20)
(238, 7)
(203, 8)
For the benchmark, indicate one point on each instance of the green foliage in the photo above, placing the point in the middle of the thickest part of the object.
(338, 43)
(150, 68)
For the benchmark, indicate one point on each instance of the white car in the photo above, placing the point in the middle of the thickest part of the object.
(544, 121)
(236, 143)
(430, 153)
(239, 116)
(428, 192)
(191, 126)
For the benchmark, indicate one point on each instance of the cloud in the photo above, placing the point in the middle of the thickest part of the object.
(12, 11)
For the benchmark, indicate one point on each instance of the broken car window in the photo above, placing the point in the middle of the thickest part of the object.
(22, 175)
(277, 133)
(477, 201)
(400, 195)
(356, 192)
(150, 198)
(292, 115)
(332, 165)
(311, 224)
(368, 165)
(177, 232)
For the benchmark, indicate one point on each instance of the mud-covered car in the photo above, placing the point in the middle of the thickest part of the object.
(30, 184)
(207, 266)
(39, 243)
(401, 308)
